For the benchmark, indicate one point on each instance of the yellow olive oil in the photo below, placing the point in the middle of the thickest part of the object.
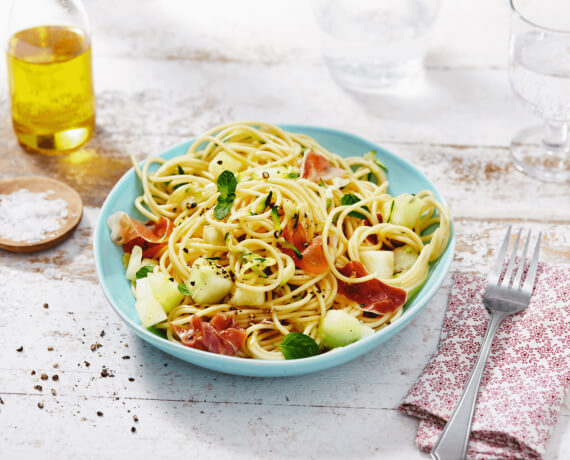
(51, 88)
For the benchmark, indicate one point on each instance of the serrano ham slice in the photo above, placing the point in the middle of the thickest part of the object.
(221, 335)
(150, 236)
(373, 295)
(316, 167)
(313, 258)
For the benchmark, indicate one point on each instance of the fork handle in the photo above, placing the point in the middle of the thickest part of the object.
(452, 444)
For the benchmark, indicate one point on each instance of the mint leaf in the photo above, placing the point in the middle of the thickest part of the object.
(296, 345)
(227, 184)
(222, 210)
(350, 199)
(183, 289)
(144, 271)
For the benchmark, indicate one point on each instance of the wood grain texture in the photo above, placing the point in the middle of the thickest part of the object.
(166, 71)
(56, 190)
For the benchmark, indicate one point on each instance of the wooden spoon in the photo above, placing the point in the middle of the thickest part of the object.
(38, 184)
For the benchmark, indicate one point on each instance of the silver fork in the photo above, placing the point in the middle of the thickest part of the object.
(501, 299)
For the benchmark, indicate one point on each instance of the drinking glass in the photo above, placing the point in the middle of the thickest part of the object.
(372, 45)
(539, 71)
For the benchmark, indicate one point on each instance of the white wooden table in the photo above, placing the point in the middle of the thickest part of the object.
(166, 71)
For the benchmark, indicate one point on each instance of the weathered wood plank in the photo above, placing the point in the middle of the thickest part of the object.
(183, 98)
(203, 430)
(78, 313)
(253, 31)
(166, 71)
(477, 182)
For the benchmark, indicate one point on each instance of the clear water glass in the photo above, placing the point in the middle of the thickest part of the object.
(539, 71)
(372, 45)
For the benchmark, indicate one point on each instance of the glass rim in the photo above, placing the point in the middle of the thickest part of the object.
(521, 16)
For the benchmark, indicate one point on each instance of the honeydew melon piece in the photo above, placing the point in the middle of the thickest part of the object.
(224, 162)
(242, 297)
(379, 262)
(208, 283)
(165, 291)
(134, 263)
(338, 329)
(149, 309)
(403, 210)
(404, 258)
(213, 235)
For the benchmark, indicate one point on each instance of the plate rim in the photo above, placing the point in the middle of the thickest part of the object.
(278, 368)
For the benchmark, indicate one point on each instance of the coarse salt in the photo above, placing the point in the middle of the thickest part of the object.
(28, 217)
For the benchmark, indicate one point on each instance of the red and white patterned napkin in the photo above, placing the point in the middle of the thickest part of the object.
(524, 382)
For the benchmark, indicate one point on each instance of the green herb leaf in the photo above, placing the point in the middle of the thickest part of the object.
(286, 245)
(275, 219)
(350, 199)
(293, 175)
(183, 289)
(227, 184)
(222, 210)
(322, 183)
(180, 170)
(212, 258)
(296, 345)
(372, 178)
(144, 271)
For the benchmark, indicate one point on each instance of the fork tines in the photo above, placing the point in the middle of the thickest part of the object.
(495, 277)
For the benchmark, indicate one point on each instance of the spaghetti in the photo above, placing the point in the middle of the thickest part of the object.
(298, 220)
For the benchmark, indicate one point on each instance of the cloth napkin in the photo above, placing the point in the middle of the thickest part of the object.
(524, 382)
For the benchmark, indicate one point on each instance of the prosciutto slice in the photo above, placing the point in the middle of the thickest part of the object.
(221, 335)
(372, 295)
(316, 167)
(150, 236)
(313, 258)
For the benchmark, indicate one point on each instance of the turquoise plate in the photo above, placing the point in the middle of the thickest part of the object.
(403, 177)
